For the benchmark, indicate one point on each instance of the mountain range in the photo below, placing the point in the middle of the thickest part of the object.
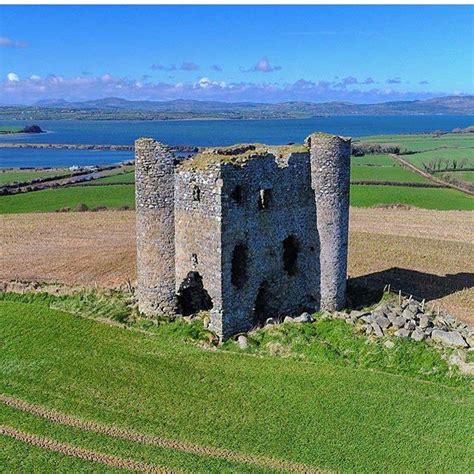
(117, 108)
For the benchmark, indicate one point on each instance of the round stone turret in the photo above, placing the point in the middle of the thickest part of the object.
(154, 184)
(330, 179)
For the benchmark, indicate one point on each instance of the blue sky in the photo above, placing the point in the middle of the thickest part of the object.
(235, 53)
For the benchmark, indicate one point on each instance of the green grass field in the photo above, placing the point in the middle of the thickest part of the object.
(19, 176)
(127, 177)
(10, 129)
(366, 168)
(467, 176)
(449, 154)
(373, 160)
(425, 142)
(425, 198)
(386, 173)
(49, 200)
(333, 405)
(117, 196)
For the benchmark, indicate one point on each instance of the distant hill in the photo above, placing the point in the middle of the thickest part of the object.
(116, 108)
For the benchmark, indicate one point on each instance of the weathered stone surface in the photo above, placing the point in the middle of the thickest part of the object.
(289, 319)
(403, 333)
(354, 314)
(448, 338)
(330, 174)
(418, 335)
(425, 321)
(382, 321)
(243, 342)
(389, 344)
(410, 325)
(399, 322)
(304, 318)
(154, 173)
(377, 330)
(247, 232)
(408, 313)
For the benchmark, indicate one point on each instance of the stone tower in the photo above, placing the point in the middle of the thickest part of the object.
(246, 232)
(154, 177)
(330, 179)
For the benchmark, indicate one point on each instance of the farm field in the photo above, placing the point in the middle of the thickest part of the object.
(425, 198)
(121, 177)
(12, 176)
(422, 142)
(118, 196)
(467, 176)
(49, 200)
(450, 154)
(420, 251)
(385, 173)
(182, 393)
(373, 160)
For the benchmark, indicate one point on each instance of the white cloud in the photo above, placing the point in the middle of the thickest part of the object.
(12, 77)
(9, 43)
(263, 65)
(14, 89)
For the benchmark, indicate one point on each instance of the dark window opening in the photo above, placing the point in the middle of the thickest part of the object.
(196, 193)
(312, 249)
(291, 250)
(237, 194)
(239, 266)
(262, 308)
(192, 296)
(264, 198)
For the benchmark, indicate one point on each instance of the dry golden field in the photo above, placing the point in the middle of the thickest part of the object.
(427, 253)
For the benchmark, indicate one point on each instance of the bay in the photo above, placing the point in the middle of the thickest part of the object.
(200, 133)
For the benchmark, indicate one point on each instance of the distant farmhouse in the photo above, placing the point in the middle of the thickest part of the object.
(246, 232)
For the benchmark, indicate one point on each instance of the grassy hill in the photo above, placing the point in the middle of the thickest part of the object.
(335, 407)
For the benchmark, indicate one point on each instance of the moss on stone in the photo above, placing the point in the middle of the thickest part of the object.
(238, 155)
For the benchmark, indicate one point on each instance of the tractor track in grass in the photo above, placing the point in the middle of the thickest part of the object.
(128, 435)
(85, 454)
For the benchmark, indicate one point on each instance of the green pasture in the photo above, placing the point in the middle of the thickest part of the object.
(50, 200)
(373, 160)
(425, 141)
(386, 173)
(10, 129)
(425, 198)
(19, 176)
(330, 400)
(122, 177)
(467, 176)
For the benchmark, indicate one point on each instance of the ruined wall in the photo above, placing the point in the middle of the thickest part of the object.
(198, 237)
(267, 288)
(330, 179)
(259, 235)
(154, 193)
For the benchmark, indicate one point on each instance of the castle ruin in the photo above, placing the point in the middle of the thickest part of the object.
(246, 232)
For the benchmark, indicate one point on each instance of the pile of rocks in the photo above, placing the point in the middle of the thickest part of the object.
(410, 319)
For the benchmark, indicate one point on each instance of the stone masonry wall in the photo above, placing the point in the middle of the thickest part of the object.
(262, 236)
(266, 288)
(198, 234)
(154, 177)
(330, 177)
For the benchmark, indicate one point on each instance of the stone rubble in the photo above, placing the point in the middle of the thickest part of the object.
(409, 319)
